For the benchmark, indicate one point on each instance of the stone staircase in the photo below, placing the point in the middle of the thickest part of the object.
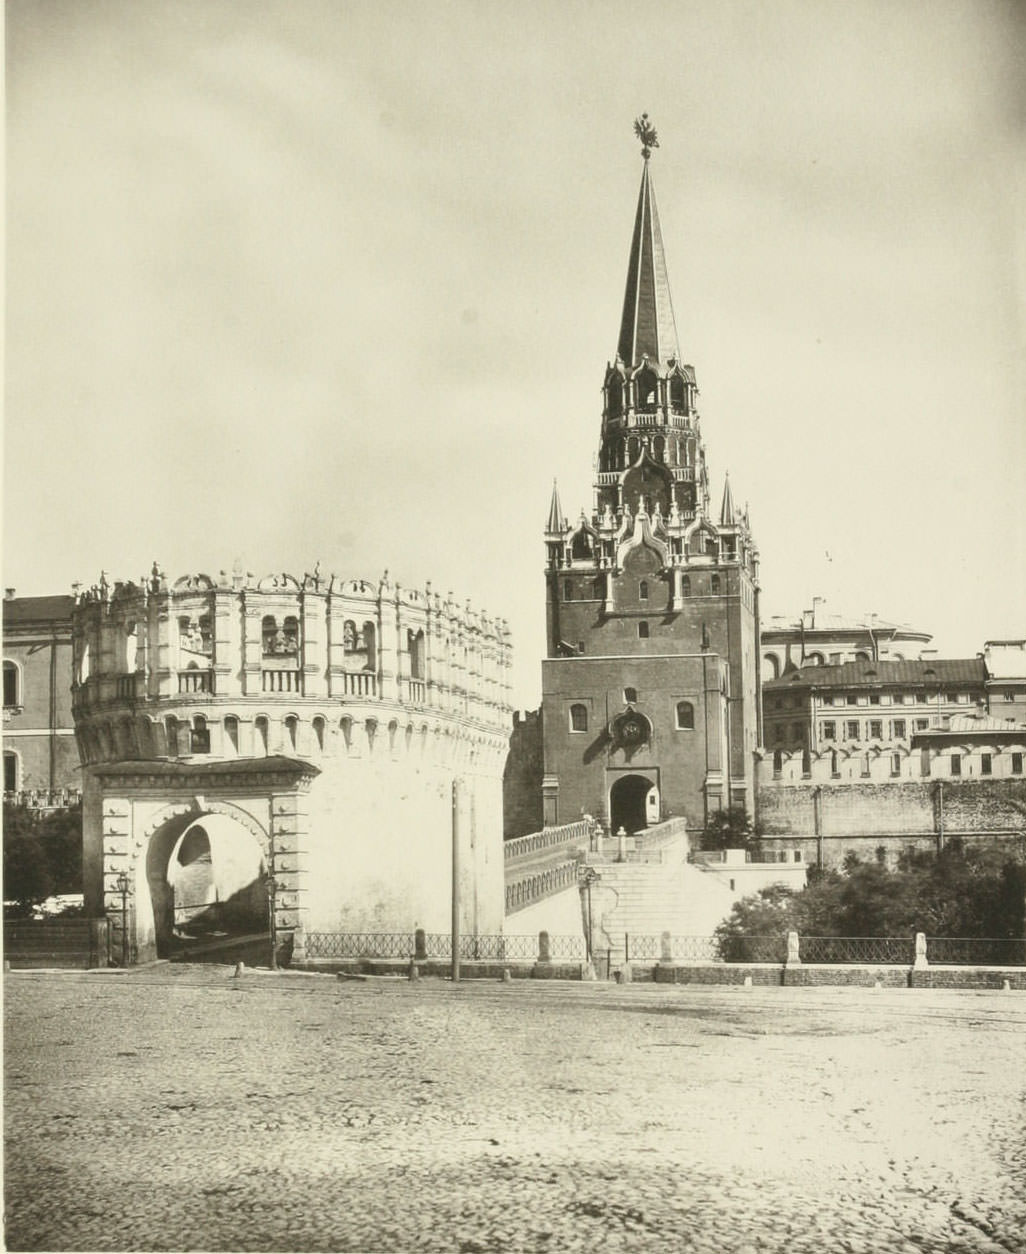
(643, 900)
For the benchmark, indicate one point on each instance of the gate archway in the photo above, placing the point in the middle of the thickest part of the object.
(203, 880)
(629, 805)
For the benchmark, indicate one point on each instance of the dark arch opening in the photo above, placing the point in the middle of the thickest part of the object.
(627, 803)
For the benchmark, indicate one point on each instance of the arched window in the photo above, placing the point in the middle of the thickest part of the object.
(171, 731)
(199, 735)
(292, 731)
(269, 632)
(659, 448)
(678, 393)
(290, 630)
(685, 716)
(349, 641)
(369, 640)
(578, 718)
(318, 729)
(260, 734)
(646, 390)
(231, 735)
(346, 728)
(10, 771)
(714, 585)
(415, 643)
(614, 398)
(643, 590)
(11, 686)
(685, 586)
(630, 695)
(806, 764)
(778, 763)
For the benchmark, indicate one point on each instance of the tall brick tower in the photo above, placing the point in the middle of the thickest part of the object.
(650, 687)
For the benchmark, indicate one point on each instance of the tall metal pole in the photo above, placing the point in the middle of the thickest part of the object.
(455, 881)
(272, 906)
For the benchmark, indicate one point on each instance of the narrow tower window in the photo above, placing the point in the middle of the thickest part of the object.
(685, 716)
(642, 631)
(579, 718)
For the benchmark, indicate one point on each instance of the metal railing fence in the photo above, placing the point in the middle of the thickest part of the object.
(438, 945)
(972, 951)
(896, 950)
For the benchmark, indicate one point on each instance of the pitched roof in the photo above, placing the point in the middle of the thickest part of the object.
(929, 672)
(647, 327)
(19, 611)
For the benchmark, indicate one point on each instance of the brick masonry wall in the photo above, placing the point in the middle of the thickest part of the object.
(522, 779)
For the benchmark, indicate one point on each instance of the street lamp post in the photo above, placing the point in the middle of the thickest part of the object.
(589, 877)
(272, 909)
(122, 886)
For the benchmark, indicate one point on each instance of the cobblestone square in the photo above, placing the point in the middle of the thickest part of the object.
(181, 1108)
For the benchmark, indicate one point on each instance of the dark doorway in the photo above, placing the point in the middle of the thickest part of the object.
(627, 803)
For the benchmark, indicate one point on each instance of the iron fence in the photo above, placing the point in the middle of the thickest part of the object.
(694, 949)
(360, 944)
(975, 951)
(751, 948)
(897, 950)
(438, 945)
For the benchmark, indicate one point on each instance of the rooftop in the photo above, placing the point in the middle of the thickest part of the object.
(930, 672)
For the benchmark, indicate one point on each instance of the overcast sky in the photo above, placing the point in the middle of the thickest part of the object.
(338, 281)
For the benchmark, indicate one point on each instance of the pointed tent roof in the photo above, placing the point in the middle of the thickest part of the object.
(556, 521)
(727, 514)
(647, 327)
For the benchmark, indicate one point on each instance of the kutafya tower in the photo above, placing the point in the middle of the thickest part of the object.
(650, 686)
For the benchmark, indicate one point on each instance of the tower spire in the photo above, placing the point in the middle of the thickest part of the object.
(556, 521)
(727, 516)
(647, 327)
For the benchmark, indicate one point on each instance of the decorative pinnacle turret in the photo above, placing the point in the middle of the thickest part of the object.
(646, 132)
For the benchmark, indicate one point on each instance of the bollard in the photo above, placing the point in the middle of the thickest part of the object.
(414, 969)
(748, 981)
(626, 974)
(507, 975)
(240, 968)
(419, 943)
(666, 947)
(1006, 986)
(877, 984)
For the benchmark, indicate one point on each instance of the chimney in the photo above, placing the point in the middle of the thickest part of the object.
(9, 594)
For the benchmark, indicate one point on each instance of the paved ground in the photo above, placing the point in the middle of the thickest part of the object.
(179, 1108)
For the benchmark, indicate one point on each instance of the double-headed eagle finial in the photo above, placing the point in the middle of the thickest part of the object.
(646, 132)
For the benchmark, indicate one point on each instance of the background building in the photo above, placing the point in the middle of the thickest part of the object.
(41, 765)
(329, 741)
(650, 686)
(820, 639)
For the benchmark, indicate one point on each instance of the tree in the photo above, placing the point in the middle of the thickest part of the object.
(974, 891)
(42, 855)
(728, 829)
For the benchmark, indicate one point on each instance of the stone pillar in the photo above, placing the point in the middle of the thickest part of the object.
(252, 649)
(920, 963)
(226, 660)
(666, 948)
(313, 644)
(290, 867)
(793, 952)
(115, 824)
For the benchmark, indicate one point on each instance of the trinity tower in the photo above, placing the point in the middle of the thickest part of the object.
(650, 686)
